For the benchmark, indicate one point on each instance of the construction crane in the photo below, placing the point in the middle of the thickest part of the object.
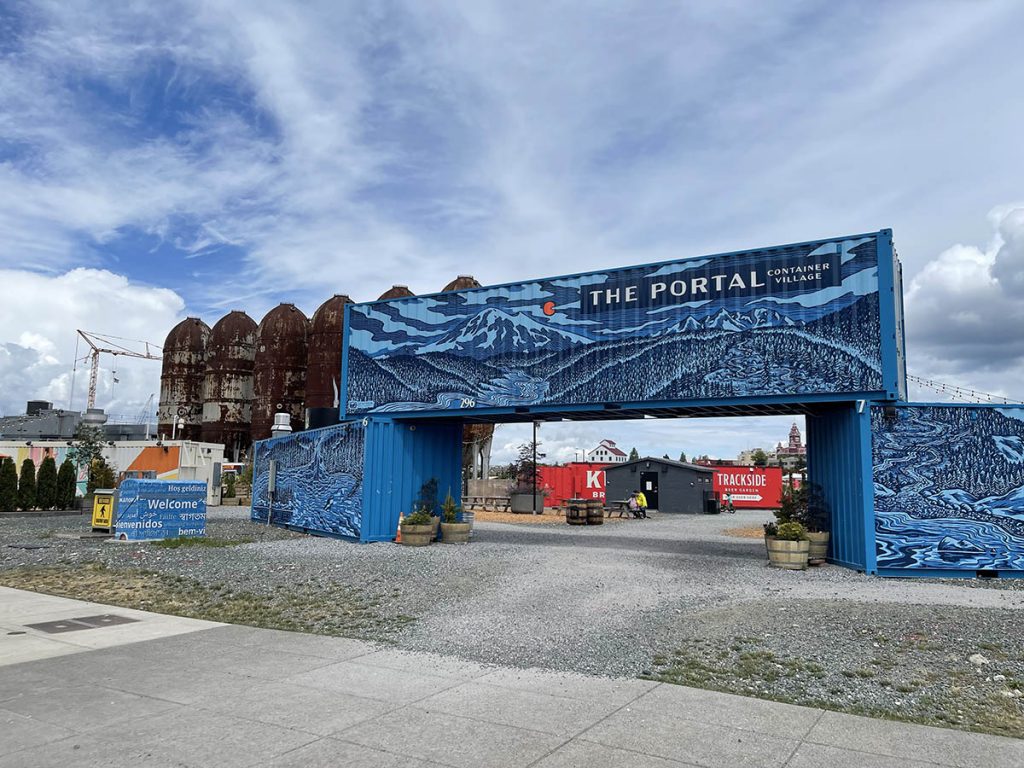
(110, 345)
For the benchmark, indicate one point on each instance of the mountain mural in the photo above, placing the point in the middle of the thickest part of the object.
(948, 492)
(791, 320)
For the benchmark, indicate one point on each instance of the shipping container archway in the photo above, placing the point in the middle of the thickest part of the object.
(814, 328)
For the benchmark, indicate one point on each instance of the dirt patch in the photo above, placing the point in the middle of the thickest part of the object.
(747, 532)
(315, 608)
(548, 518)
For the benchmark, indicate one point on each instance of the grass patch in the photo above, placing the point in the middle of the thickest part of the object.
(198, 541)
(304, 607)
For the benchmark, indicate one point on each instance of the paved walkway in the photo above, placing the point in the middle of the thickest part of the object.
(174, 692)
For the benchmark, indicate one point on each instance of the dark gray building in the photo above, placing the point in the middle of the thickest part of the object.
(670, 486)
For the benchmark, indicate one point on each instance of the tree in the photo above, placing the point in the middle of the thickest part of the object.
(87, 445)
(46, 484)
(101, 475)
(633, 454)
(8, 485)
(759, 457)
(27, 485)
(67, 481)
(665, 456)
(527, 473)
(682, 456)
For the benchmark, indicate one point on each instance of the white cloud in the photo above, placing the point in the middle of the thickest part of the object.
(43, 312)
(965, 312)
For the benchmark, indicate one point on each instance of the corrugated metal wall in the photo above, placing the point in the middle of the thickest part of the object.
(400, 458)
(838, 459)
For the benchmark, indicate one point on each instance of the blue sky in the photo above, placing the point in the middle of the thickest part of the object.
(173, 158)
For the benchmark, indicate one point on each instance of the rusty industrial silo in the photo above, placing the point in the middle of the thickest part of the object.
(181, 380)
(279, 384)
(396, 292)
(323, 362)
(476, 438)
(228, 384)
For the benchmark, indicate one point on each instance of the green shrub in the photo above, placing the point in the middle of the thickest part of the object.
(46, 484)
(8, 485)
(229, 486)
(27, 485)
(419, 517)
(450, 510)
(67, 482)
(792, 531)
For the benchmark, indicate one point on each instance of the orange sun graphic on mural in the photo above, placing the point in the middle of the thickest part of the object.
(549, 308)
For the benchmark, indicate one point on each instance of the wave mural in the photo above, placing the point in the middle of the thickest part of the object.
(791, 320)
(949, 487)
(319, 480)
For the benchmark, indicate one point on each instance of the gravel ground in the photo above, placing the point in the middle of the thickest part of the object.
(670, 597)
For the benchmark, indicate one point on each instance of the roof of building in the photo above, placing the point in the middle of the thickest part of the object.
(669, 462)
(612, 448)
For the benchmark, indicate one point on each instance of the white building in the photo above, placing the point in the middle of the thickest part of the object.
(607, 453)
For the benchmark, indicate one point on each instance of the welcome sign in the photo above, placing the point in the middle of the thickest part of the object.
(160, 509)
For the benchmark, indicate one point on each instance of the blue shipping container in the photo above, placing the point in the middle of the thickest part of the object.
(355, 479)
(799, 323)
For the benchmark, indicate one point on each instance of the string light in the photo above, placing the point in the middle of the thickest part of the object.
(961, 393)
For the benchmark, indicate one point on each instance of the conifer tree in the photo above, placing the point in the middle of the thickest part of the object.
(66, 482)
(634, 454)
(27, 485)
(46, 484)
(8, 485)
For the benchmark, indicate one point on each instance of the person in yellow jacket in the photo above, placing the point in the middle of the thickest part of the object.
(641, 502)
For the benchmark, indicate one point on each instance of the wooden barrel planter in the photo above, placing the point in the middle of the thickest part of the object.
(417, 535)
(576, 515)
(455, 533)
(819, 547)
(435, 528)
(790, 555)
(595, 513)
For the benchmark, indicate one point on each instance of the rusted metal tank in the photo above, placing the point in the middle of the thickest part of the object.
(396, 292)
(279, 383)
(323, 362)
(476, 438)
(461, 283)
(228, 384)
(181, 380)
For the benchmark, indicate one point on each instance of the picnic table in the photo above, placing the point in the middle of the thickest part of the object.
(496, 503)
(618, 505)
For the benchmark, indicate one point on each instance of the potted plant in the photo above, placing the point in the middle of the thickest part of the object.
(427, 501)
(452, 531)
(416, 528)
(771, 529)
(525, 493)
(817, 520)
(789, 546)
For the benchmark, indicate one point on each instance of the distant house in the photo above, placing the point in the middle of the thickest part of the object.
(670, 486)
(607, 452)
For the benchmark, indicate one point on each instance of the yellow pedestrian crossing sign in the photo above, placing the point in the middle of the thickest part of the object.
(103, 511)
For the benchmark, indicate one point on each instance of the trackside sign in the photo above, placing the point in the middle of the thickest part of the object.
(160, 509)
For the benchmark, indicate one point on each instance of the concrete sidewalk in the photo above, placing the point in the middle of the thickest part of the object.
(213, 695)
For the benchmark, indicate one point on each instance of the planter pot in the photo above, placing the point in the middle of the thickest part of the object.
(417, 535)
(455, 533)
(819, 547)
(791, 555)
(523, 502)
(435, 528)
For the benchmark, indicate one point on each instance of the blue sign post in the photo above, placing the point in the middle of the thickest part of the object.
(160, 509)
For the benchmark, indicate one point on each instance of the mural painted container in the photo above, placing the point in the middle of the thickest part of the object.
(181, 379)
(801, 323)
(355, 479)
(279, 369)
(228, 384)
(948, 489)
